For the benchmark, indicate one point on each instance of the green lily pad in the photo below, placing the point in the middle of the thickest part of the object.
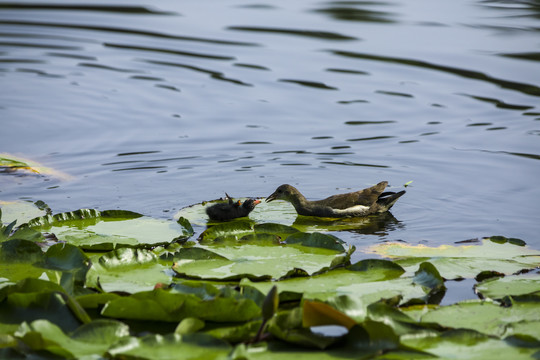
(94, 230)
(255, 262)
(381, 281)
(509, 285)
(484, 316)
(33, 299)
(171, 347)
(464, 261)
(161, 305)
(316, 240)
(89, 339)
(129, 270)
(62, 263)
(468, 344)
(22, 211)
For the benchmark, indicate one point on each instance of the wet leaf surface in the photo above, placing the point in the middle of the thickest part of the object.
(116, 284)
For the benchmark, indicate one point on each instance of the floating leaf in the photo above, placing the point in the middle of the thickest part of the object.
(257, 262)
(33, 299)
(464, 261)
(140, 273)
(236, 333)
(107, 230)
(22, 211)
(483, 316)
(510, 285)
(161, 305)
(468, 344)
(287, 326)
(316, 313)
(235, 229)
(90, 339)
(171, 347)
(381, 281)
(316, 240)
(12, 163)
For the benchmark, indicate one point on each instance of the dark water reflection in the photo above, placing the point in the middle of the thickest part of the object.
(152, 107)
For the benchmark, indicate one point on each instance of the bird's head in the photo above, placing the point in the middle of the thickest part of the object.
(283, 192)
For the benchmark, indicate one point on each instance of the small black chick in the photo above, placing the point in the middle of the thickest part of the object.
(231, 210)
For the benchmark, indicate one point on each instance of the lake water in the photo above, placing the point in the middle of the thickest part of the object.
(153, 106)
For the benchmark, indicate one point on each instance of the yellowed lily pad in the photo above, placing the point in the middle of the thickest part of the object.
(12, 163)
(462, 261)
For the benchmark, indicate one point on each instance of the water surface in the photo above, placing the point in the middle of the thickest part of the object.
(153, 106)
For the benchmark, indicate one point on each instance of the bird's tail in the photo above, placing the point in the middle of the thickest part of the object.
(387, 199)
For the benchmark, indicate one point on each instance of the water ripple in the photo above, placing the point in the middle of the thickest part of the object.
(168, 51)
(471, 74)
(311, 84)
(498, 103)
(111, 29)
(38, 46)
(350, 11)
(372, 138)
(105, 67)
(213, 74)
(326, 35)
(86, 7)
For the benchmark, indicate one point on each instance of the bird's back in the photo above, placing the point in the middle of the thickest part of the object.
(365, 197)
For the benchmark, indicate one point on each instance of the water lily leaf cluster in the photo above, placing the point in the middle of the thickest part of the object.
(91, 284)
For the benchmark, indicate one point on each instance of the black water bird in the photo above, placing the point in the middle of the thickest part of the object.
(231, 209)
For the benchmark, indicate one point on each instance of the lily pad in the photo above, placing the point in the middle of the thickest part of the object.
(89, 339)
(162, 305)
(255, 262)
(464, 261)
(381, 281)
(468, 344)
(22, 211)
(62, 263)
(510, 285)
(129, 270)
(94, 230)
(33, 299)
(171, 347)
(11, 163)
(484, 316)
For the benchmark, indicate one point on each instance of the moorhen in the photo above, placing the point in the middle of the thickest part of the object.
(231, 210)
(360, 203)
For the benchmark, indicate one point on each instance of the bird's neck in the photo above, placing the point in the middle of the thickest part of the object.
(299, 201)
